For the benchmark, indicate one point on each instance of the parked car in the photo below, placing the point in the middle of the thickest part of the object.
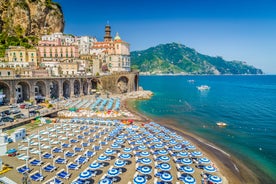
(20, 116)
(13, 106)
(15, 111)
(7, 119)
(6, 112)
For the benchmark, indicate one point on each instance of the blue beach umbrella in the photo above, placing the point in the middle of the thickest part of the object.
(186, 161)
(144, 154)
(115, 146)
(164, 166)
(162, 152)
(158, 146)
(177, 148)
(188, 169)
(95, 165)
(139, 180)
(179, 138)
(173, 142)
(145, 160)
(204, 160)
(215, 179)
(144, 169)
(85, 175)
(125, 156)
(142, 147)
(102, 158)
(119, 163)
(183, 154)
(156, 140)
(113, 172)
(127, 150)
(189, 180)
(163, 158)
(105, 181)
(120, 141)
(166, 177)
(209, 168)
(109, 152)
(139, 142)
(196, 153)
(167, 138)
(191, 147)
(185, 142)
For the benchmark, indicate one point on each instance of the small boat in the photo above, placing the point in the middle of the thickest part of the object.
(191, 81)
(203, 87)
(221, 124)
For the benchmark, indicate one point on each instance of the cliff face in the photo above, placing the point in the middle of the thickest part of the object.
(30, 17)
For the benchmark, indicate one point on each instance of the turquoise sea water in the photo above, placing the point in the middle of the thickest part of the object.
(246, 103)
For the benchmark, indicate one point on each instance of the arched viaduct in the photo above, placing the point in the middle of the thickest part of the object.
(30, 89)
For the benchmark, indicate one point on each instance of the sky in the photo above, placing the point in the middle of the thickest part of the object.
(243, 30)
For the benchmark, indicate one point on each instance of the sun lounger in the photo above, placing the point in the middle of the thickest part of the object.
(24, 158)
(49, 168)
(77, 149)
(57, 150)
(70, 154)
(47, 156)
(54, 180)
(23, 169)
(36, 176)
(73, 166)
(63, 174)
(89, 153)
(36, 162)
(60, 160)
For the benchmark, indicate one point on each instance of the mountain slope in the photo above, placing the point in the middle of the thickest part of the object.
(176, 58)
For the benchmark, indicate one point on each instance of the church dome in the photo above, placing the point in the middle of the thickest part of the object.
(117, 37)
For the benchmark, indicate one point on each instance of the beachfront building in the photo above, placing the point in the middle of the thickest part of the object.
(68, 67)
(7, 72)
(21, 54)
(3, 143)
(113, 54)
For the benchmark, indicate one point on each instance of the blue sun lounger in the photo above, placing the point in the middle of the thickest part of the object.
(57, 150)
(36, 176)
(23, 169)
(63, 174)
(54, 180)
(77, 149)
(73, 166)
(35, 162)
(47, 156)
(60, 161)
(70, 154)
(49, 168)
(89, 154)
(74, 141)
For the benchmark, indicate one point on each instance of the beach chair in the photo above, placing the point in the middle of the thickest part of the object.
(63, 174)
(57, 150)
(73, 166)
(23, 169)
(78, 149)
(70, 154)
(89, 153)
(49, 168)
(36, 176)
(47, 156)
(60, 160)
(35, 162)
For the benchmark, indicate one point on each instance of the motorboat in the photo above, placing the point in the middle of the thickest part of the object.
(203, 87)
(191, 81)
(221, 124)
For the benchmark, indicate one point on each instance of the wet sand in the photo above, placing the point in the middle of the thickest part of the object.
(233, 170)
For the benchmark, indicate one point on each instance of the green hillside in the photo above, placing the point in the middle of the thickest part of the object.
(173, 58)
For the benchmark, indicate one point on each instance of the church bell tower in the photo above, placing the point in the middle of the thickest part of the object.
(107, 36)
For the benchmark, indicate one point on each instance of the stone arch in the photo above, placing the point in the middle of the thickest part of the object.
(85, 87)
(136, 86)
(66, 89)
(122, 84)
(22, 91)
(76, 87)
(5, 93)
(40, 91)
(94, 83)
(54, 89)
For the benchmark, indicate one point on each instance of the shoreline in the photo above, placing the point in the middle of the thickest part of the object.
(233, 170)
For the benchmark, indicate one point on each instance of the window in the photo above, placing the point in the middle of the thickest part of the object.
(9, 73)
(0, 74)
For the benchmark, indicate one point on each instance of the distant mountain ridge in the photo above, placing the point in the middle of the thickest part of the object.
(174, 58)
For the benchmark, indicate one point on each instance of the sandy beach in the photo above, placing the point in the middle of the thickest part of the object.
(233, 170)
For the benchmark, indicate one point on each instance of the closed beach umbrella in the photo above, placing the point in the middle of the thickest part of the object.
(165, 166)
(120, 163)
(125, 156)
(102, 158)
(188, 169)
(215, 179)
(105, 181)
(113, 172)
(186, 161)
(85, 175)
(145, 169)
(204, 160)
(139, 180)
(144, 154)
(164, 158)
(209, 168)
(183, 154)
(166, 177)
(145, 160)
(127, 150)
(189, 180)
(95, 165)
(196, 153)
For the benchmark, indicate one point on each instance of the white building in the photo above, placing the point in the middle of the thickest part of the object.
(18, 135)
(65, 39)
(3, 143)
(84, 43)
